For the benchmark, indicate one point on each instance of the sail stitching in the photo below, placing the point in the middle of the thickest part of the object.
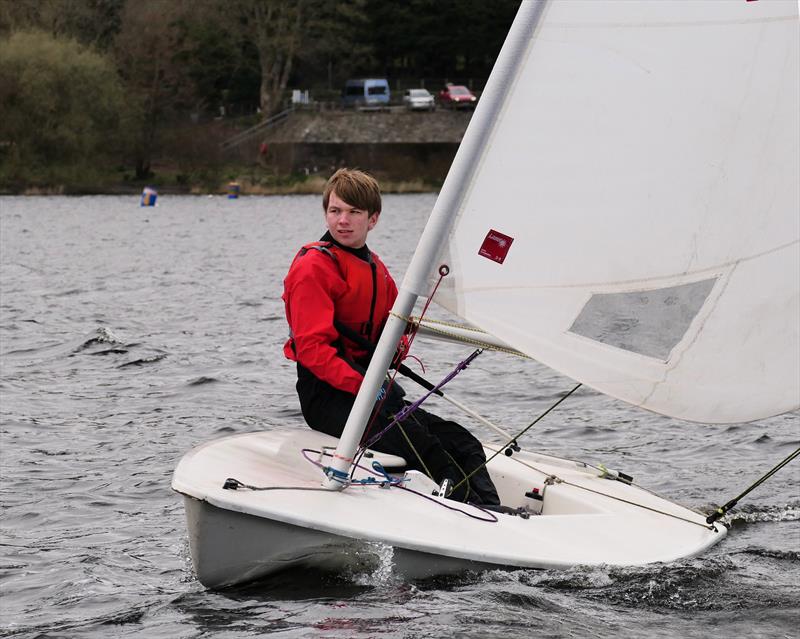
(672, 364)
(690, 275)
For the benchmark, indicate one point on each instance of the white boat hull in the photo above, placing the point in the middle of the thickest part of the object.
(242, 535)
(229, 548)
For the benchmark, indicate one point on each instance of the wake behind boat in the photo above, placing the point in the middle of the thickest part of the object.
(623, 208)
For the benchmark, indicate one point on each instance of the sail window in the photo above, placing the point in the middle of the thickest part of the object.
(648, 322)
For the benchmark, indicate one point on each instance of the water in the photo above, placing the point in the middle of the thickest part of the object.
(129, 335)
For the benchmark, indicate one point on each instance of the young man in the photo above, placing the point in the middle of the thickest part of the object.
(338, 295)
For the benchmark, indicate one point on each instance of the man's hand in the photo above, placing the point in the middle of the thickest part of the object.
(390, 399)
(400, 354)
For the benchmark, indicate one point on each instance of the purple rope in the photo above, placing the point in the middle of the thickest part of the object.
(400, 416)
(492, 519)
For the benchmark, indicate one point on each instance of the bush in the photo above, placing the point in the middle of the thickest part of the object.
(62, 107)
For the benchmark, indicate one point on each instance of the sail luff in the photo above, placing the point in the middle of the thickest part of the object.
(436, 231)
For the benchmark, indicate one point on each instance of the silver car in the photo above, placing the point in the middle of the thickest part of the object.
(418, 99)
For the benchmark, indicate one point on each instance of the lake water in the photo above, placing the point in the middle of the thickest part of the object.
(129, 335)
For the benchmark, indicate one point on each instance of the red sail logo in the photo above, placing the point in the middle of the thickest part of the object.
(495, 247)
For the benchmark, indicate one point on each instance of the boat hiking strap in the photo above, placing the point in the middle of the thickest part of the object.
(721, 510)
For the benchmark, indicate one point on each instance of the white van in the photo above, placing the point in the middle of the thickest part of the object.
(367, 92)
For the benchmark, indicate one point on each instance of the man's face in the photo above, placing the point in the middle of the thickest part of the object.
(348, 225)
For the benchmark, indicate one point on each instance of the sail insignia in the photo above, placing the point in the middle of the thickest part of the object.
(496, 246)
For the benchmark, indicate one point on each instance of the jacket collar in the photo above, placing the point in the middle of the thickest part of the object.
(361, 253)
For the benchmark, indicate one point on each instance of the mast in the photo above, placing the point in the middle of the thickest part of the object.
(436, 230)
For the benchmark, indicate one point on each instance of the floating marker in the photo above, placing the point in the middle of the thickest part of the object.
(233, 190)
(149, 197)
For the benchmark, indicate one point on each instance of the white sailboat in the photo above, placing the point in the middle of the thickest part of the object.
(624, 208)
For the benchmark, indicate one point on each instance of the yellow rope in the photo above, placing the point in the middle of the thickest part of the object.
(460, 338)
(418, 456)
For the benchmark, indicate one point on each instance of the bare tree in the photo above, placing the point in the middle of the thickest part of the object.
(276, 28)
(147, 51)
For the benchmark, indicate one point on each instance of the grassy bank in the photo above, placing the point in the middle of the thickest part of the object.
(251, 180)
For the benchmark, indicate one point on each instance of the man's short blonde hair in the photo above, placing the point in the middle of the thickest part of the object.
(355, 187)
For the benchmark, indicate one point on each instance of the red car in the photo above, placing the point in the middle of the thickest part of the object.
(456, 96)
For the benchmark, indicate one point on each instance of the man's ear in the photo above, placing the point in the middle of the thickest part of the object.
(373, 220)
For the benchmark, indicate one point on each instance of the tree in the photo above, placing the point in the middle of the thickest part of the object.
(335, 42)
(439, 38)
(276, 28)
(148, 50)
(221, 62)
(91, 22)
(317, 36)
(61, 104)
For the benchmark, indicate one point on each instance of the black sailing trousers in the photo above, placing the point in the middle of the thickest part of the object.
(444, 449)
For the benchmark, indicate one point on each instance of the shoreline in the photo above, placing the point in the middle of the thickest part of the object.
(408, 152)
(314, 185)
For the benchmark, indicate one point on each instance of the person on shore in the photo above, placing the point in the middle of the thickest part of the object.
(337, 296)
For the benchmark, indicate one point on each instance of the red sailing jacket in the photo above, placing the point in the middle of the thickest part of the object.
(327, 283)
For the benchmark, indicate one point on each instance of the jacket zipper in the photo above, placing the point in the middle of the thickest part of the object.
(374, 298)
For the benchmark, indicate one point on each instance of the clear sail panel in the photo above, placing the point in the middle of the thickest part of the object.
(650, 322)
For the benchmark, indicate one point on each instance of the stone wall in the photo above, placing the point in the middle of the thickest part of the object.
(394, 144)
(396, 161)
(371, 127)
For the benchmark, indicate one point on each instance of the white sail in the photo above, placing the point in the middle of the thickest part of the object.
(634, 222)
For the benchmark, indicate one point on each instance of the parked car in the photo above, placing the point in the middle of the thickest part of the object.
(418, 99)
(456, 96)
(367, 92)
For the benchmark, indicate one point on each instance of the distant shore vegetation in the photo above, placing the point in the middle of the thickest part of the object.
(105, 96)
